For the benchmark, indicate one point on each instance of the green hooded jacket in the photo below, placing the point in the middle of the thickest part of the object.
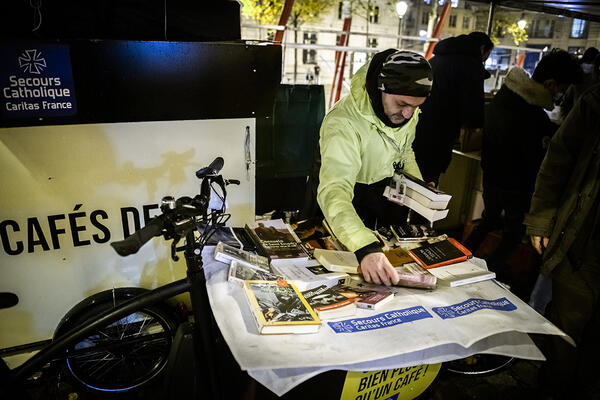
(356, 146)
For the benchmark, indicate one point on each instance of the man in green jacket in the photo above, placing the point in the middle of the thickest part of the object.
(564, 224)
(363, 138)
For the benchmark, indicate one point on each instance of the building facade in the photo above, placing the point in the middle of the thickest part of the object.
(309, 55)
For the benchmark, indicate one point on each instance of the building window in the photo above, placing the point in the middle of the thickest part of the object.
(579, 29)
(373, 43)
(309, 56)
(340, 8)
(374, 15)
(424, 18)
(452, 21)
(541, 28)
(466, 22)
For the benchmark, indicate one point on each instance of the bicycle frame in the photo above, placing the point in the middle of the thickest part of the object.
(194, 283)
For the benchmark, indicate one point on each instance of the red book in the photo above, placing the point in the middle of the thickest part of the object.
(375, 300)
(436, 254)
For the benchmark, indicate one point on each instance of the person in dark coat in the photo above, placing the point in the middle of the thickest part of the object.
(456, 100)
(589, 66)
(564, 224)
(515, 130)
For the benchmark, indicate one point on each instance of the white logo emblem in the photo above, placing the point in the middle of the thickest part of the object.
(32, 61)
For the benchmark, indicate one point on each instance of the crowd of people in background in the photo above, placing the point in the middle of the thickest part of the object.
(540, 177)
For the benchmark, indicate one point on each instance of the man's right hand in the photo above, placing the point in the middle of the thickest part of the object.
(539, 243)
(376, 268)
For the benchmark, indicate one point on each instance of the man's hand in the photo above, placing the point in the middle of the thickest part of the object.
(376, 268)
(539, 243)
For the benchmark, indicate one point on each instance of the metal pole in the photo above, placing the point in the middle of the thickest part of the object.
(490, 17)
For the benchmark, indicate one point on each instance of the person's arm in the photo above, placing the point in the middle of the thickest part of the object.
(555, 172)
(340, 164)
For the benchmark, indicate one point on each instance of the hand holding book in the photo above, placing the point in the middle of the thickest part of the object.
(376, 268)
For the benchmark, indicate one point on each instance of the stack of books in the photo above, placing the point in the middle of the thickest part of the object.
(415, 194)
(449, 261)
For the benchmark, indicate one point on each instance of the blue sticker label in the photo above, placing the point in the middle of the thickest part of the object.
(472, 305)
(36, 81)
(379, 321)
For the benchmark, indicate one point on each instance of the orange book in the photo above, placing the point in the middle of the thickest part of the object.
(436, 254)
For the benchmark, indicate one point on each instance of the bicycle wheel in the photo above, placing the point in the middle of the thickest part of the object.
(124, 355)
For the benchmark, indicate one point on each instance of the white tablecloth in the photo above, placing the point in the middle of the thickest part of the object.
(417, 327)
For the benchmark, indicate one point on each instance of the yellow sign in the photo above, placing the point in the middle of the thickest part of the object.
(390, 384)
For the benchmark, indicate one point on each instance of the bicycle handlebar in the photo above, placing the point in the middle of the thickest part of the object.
(132, 243)
(179, 216)
(212, 169)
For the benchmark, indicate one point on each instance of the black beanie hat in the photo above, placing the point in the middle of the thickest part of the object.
(407, 73)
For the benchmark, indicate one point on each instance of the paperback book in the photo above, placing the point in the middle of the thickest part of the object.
(375, 300)
(329, 303)
(226, 254)
(421, 192)
(364, 294)
(308, 274)
(437, 254)
(461, 273)
(430, 214)
(337, 260)
(278, 307)
(412, 232)
(276, 240)
(240, 272)
(414, 276)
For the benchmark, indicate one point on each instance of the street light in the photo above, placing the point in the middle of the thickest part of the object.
(401, 8)
(522, 22)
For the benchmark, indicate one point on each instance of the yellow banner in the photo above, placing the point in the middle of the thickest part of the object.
(390, 384)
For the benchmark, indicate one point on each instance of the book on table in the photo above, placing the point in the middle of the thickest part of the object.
(365, 295)
(337, 260)
(329, 303)
(412, 232)
(414, 276)
(278, 307)
(276, 239)
(308, 274)
(375, 300)
(239, 272)
(226, 253)
(437, 254)
(461, 273)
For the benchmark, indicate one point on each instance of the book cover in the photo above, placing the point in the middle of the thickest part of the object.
(412, 232)
(359, 290)
(414, 276)
(461, 273)
(398, 256)
(328, 303)
(275, 239)
(240, 272)
(375, 300)
(226, 253)
(437, 254)
(308, 274)
(278, 307)
(337, 260)
(326, 242)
